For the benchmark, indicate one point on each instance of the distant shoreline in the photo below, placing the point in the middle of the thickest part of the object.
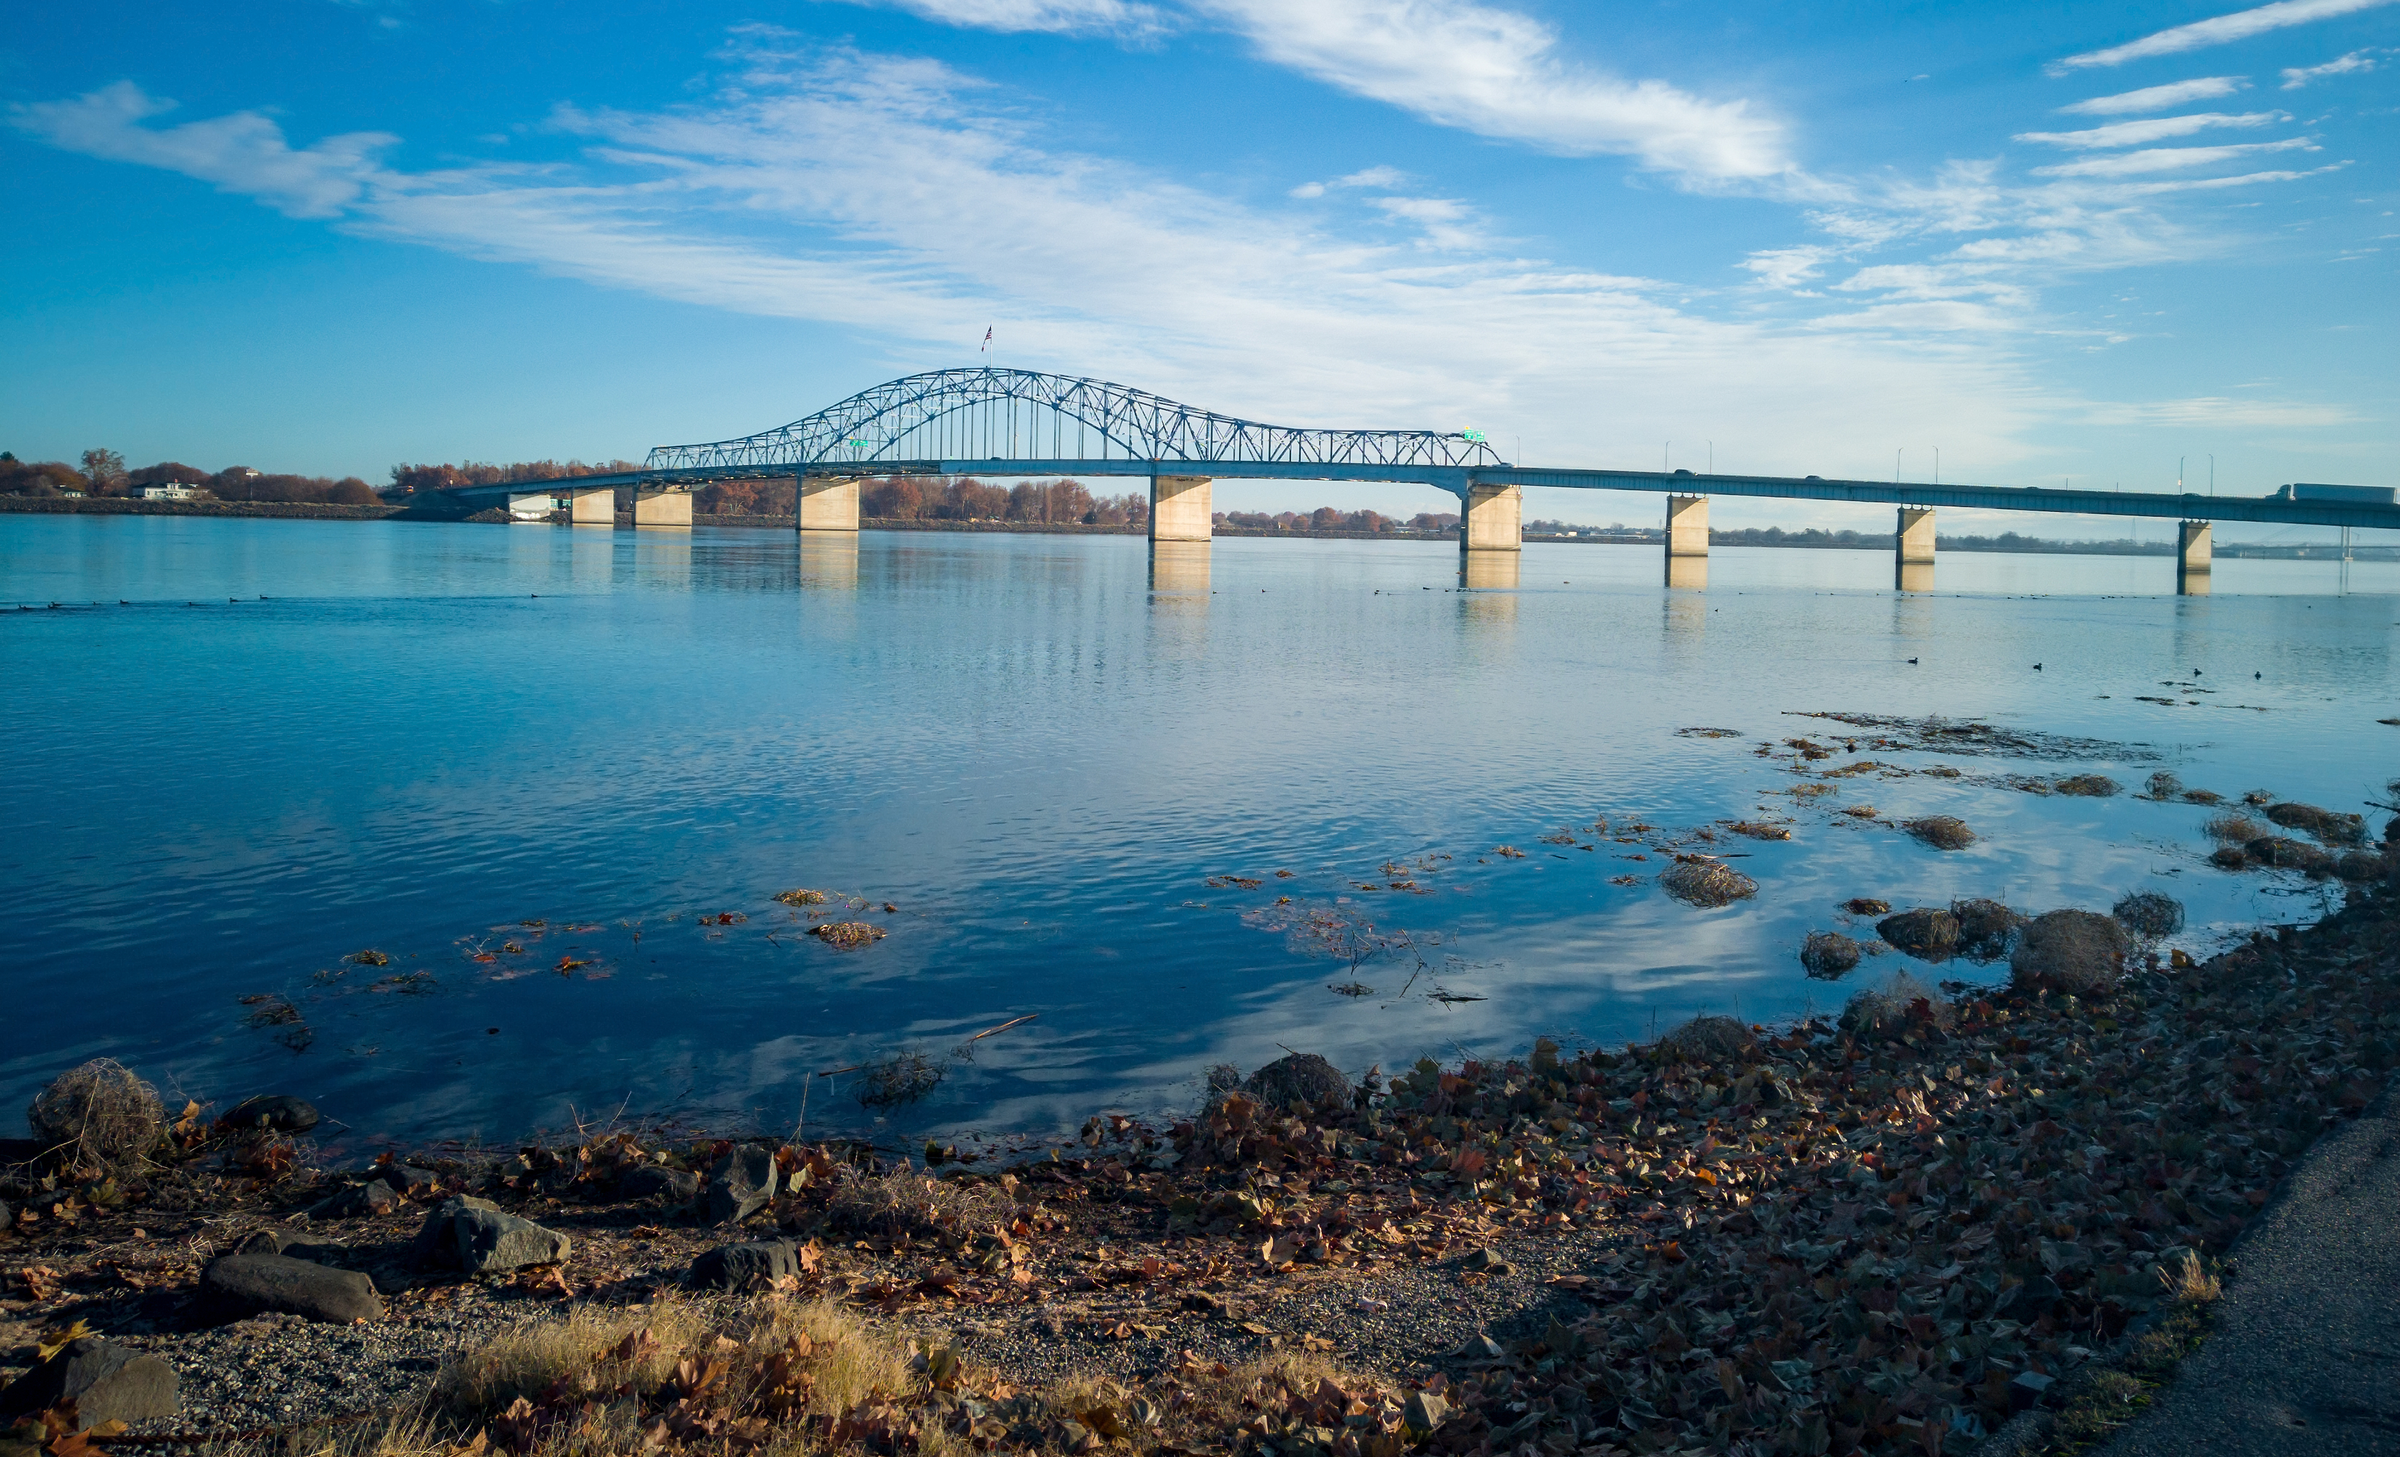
(310, 510)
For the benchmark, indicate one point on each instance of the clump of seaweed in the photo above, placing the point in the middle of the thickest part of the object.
(368, 958)
(1942, 832)
(902, 1078)
(2233, 827)
(1866, 906)
(2088, 786)
(2330, 826)
(847, 935)
(1759, 830)
(1700, 880)
(2148, 914)
(2164, 785)
(803, 897)
(99, 1116)
(1827, 955)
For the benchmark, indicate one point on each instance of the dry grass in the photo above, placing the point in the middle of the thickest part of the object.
(2089, 786)
(2188, 1282)
(847, 935)
(906, 1202)
(903, 1078)
(802, 897)
(2164, 785)
(2330, 826)
(100, 1118)
(574, 1348)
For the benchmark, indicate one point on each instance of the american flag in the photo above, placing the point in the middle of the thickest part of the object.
(987, 342)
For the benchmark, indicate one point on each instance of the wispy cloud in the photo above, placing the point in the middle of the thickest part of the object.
(2156, 129)
(1499, 74)
(1064, 17)
(244, 153)
(1380, 178)
(2295, 77)
(827, 185)
(2168, 159)
(2159, 98)
(2216, 31)
(2218, 410)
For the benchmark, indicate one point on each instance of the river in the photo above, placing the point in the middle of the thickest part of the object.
(273, 746)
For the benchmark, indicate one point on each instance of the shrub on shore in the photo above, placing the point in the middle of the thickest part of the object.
(2081, 953)
(99, 1118)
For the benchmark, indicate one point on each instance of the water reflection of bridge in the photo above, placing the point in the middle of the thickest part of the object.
(1010, 422)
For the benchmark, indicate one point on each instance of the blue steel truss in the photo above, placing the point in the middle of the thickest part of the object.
(1022, 415)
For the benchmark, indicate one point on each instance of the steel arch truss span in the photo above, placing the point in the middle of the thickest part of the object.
(1018, 415)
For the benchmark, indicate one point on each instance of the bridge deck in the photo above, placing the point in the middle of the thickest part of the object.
(1456, 479)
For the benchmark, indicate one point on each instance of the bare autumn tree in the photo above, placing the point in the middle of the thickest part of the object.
(103, 468)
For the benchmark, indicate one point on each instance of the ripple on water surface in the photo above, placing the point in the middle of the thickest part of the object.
(1081, 799)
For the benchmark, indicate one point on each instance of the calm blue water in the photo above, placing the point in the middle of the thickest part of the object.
(412, 737)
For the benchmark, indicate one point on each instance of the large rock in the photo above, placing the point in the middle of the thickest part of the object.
(656, 1181)
(742, 1183)
(107, 1383)
(272, 1112)
(479, 1237)
(239, 1285)
(742, 1266)
(1928, 933)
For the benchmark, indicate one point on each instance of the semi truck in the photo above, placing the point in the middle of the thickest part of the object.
(2346, 495)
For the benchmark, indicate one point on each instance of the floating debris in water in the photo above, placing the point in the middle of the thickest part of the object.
(1699, 880)
(1866, 906)
(1509, 852)
(1708, 733)
(1244, 882)
(1942, 832)
(1972, 736)
(368, 958)
(802, 897)
(905, 1078)
(1759, 829)
(847, 935)
(2147, 913)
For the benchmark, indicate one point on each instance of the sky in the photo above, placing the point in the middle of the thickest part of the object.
(2055, 243)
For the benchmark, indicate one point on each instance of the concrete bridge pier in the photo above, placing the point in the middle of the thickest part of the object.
(532, 505)
(1491, 537)
(1912, 550)
(828, 503)
(1687, 541)
(593, 506)
(662, 508)
(1180, 508)
(2194, 554)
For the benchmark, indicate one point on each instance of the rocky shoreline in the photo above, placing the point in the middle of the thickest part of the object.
(1927, 1226)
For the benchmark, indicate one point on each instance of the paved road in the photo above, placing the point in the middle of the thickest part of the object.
(2305, 1354)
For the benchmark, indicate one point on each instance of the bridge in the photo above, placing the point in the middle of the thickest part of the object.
(1013, 422)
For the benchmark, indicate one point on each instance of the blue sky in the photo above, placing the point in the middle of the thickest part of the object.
(2054, 242)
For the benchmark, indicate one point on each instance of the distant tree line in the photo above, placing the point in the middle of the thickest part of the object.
(103, 473)
(964, 498)
(1333, 518)
(407, 480)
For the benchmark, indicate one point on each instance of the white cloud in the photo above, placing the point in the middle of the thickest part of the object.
(2155, 129)
(2217, 30)
(829, 186)
(2159, 98)
(2218, 411)
(2167, 159)
(2295, 77)
(1065, 17)
(1497, 73)
(1787, 267)
(244, 153)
